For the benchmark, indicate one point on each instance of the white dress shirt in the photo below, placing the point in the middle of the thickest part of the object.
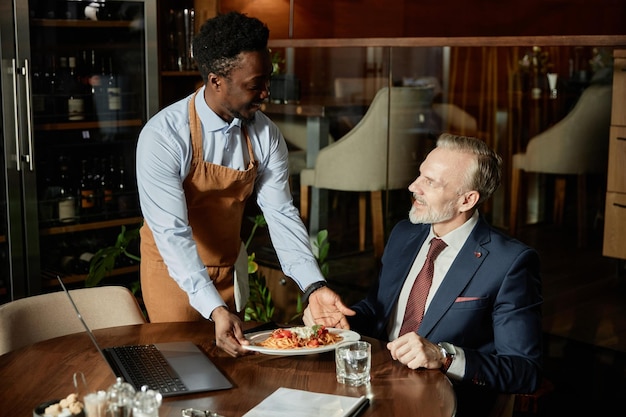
(455, 241)
(164, 155)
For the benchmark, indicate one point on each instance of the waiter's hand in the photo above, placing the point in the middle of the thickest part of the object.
(325, 307)
(228, 333)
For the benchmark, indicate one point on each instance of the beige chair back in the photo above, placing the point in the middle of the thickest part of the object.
(383, 151)
(359, 88)
(577, 144)
(29, 320)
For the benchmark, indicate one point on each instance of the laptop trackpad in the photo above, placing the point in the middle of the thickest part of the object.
(193, 366)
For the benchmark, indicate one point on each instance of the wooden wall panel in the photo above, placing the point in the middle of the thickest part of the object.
(312, 19)
(406, 18)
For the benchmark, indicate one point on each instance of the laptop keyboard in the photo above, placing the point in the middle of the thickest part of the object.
(146, 365)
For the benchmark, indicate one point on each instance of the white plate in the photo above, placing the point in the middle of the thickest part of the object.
(347, 335)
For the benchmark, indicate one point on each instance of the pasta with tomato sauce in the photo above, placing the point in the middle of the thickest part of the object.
(300, 337)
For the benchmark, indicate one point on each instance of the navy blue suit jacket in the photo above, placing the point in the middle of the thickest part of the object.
(489, 304)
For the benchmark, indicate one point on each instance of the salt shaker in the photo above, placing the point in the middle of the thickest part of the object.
(147, 403)
(95, 404)
(120, 398)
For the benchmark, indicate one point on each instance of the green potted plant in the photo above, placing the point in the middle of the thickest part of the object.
(103, 261)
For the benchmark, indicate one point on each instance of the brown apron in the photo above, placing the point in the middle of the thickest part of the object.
(216, 197)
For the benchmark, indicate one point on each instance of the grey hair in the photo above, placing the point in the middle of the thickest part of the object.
(486, 175)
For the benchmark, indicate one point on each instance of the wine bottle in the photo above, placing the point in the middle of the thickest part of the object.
(100, 94)
(124, 200)
(114, 92)
(106, 189)
(85, 71)
(50, 89)
(67, 196)
(87, 193)
(62, 89)
(95, 83)
(75, 99)
(98, 191)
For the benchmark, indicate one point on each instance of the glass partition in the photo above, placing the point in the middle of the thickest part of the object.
(503, 91)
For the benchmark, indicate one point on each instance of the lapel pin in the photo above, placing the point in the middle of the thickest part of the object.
(477, 254)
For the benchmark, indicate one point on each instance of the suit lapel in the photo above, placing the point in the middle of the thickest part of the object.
(401, 258)
(461, 272)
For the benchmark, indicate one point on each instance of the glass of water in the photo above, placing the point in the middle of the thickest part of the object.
(353, 361)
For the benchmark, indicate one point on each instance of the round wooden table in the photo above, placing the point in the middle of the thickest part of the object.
(44, 371)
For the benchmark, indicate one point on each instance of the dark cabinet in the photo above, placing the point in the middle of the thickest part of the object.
(79, 80)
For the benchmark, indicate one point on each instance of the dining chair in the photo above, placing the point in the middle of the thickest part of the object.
(355, 90)
(40, 317)
(359, 88)
(576, 146)
(382, 152)
(453, 118)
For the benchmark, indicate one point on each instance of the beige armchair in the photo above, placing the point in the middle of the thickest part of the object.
(575, 146)
(41, 317)
(359, 88)
(355, 90)
(453, 118)
(382, 152)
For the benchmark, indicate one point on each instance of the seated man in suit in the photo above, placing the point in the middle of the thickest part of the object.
(482, 319)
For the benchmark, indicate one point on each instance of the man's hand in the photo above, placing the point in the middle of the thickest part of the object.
(415, 352)
(325, 307)
(228, 333)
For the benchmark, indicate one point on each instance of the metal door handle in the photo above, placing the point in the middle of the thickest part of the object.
(29, 121)
(16, 115)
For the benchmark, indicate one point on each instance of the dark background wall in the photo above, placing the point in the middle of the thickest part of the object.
(419, 18)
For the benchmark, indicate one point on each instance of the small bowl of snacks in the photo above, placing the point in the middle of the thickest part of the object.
(69, 406)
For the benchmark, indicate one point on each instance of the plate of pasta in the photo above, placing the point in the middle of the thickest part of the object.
(302, 340)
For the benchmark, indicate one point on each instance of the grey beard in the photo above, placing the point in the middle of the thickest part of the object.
(432, 217)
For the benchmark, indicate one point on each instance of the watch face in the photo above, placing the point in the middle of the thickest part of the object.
(444, 352)
(449, 348)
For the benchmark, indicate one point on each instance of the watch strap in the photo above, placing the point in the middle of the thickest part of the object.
(448, 358)
(311, 289)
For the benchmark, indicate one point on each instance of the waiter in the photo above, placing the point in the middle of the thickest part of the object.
(198, 161)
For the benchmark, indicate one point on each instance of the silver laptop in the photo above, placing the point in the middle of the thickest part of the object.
(173, 368)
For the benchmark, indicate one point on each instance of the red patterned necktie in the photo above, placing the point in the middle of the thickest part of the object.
(419, 292)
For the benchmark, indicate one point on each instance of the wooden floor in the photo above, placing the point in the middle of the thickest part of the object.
(584, 294)
(584, 322)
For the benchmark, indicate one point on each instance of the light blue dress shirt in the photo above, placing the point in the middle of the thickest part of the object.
(164, 155)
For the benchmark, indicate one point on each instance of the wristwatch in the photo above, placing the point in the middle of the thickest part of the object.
(447, 351)
(311, 289)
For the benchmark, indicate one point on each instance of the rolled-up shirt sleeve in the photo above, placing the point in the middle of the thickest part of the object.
(289, 235)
